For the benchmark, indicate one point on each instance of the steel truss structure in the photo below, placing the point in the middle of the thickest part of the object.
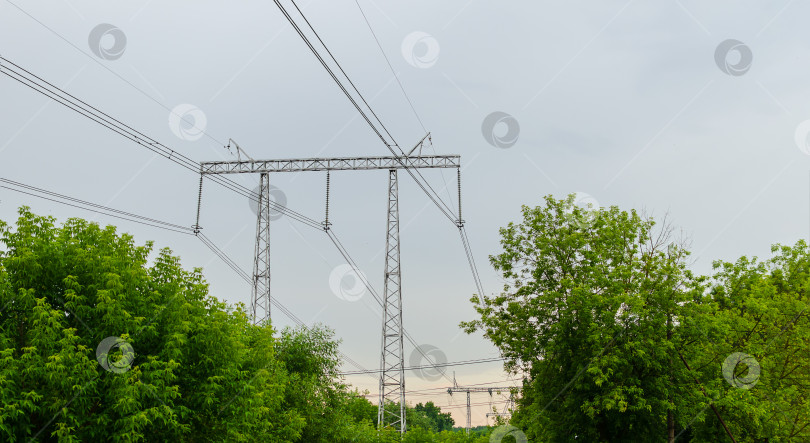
(331, 164)
(470, 390)
(260, 296)
(392, 377)
(392, 368)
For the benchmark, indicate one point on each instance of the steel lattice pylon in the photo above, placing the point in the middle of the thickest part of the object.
(392, 374)
(392, 377)
(469, 390)
(260, 298)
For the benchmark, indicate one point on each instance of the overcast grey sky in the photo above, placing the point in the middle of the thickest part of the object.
(627, 102)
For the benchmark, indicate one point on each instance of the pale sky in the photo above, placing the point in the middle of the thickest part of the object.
(627, 102)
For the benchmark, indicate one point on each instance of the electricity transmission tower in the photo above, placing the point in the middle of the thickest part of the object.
(392, 372)
(469, 390)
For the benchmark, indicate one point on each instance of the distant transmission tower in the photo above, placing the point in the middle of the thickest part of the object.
(469, 390)
(392, 367)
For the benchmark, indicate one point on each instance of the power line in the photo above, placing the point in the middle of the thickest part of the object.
(344, 73)
(443, 389)
(25, 77)
(468, 250)
(436, 365)
(402, 88)
(153, 145)
(332, 74)
(433, 197)
(443, 407)
(206, 134)
(92, 207)
(104, 210)
(117, 126)
(465, 240)
(103, 65)
(356, 269)
(36, 83)
(404, 93)
(246, 277)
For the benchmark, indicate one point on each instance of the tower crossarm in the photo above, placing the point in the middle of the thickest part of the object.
(478, 389)
(330, 164)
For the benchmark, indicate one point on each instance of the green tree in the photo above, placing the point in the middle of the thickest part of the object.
(760, 311)
(586, 315)
(199, 370)
(316, 391)
(360, 408)
(438, 421)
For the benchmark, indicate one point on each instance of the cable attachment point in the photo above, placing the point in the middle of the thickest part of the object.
(239, 151)
(419, 145)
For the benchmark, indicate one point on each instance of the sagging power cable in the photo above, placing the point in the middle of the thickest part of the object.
(389, 145)
(156, 223)
(36, 83)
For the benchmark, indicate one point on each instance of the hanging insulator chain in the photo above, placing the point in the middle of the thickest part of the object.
(460, 221)
(199, 203)
(326, 223)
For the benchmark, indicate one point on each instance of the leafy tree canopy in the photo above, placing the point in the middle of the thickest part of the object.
(105, 340)
(618, 341)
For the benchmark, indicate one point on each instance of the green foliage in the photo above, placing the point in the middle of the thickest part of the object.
(585, 314)
(614, 335)
(759, 309)
(315, 391)
(430, 416)
(199, 370)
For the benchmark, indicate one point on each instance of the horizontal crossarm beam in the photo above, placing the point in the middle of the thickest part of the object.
(489, 390)
(331, 164)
